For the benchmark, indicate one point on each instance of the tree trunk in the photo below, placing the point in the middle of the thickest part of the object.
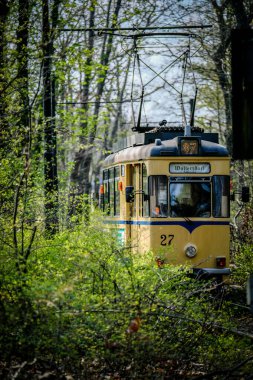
(121, 92)
(242, 20)
(85, 101)
(88, 72)
(80, 176)
(22, 77)
(50, 153)
(76, 177)
(105, 57)
(4, 138)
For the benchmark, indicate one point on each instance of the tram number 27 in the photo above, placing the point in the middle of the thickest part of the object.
(166, 239)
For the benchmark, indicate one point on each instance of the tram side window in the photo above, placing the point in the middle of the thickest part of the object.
(145, 198)
(111, 191)
(158, 191)
(116, 190)
(221, 190)
(106, 191)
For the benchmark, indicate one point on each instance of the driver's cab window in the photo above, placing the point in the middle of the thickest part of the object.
(221, 191)
(190, 197)
(158, 196)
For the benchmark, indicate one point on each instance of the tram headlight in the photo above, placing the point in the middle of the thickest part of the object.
(190, 250)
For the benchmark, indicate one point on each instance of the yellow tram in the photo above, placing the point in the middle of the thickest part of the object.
(168, 190)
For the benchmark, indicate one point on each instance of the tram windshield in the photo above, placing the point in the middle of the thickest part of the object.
(191, 198)
(199, 197)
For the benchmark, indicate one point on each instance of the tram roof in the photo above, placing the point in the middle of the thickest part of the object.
(163, 144)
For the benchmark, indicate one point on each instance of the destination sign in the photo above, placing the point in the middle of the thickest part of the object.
(198, 168)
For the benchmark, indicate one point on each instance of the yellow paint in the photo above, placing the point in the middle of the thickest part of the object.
(169, 241)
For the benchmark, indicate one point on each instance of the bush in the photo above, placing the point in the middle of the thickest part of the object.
(88, 302)
(242, 243)
(243, 261)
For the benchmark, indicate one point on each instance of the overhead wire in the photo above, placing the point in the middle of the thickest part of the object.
(137, 60)
(159, 74)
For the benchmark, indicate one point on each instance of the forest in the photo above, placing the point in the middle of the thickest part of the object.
(74, 304)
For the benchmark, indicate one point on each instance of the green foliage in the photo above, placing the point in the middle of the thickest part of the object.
(243, 264)
(242, 247)
(81, 292)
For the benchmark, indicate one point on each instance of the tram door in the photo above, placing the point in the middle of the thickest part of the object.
(134, 179)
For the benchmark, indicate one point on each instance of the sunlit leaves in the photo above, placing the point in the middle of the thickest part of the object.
(88, 298)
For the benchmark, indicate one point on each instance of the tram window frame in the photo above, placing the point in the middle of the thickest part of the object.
(145, 192)
(116, 191)
(157, 208)
(133, 183)
(111, 192)
(106, 205)
(111, 178)
(221, 209)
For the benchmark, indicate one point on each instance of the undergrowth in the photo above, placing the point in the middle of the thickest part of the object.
(89, 305)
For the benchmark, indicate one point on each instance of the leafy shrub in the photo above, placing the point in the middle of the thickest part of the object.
(242, 243)
(243, 264)
(89, 302)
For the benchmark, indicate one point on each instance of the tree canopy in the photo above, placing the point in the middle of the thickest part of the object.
(68, 75)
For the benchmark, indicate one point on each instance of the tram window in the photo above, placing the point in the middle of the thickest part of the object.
(111, 191)
(221, 190)
(106, 191)
(111, 196)
(158, 195)
(116, 190)
(190, 198)
(145, 198)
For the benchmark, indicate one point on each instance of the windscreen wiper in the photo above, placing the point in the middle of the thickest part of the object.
(188, 220)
